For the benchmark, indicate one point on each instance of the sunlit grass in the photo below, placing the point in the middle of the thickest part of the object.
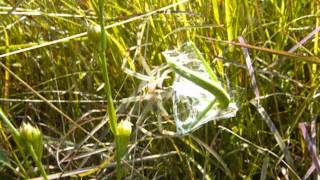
(62, 82)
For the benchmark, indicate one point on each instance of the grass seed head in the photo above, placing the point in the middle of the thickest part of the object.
(124, 128)
(94, 32)
(32, 135)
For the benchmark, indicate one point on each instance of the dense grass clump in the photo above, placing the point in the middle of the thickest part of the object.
(64, 83)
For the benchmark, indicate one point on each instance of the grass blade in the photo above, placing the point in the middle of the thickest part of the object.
(275, 133)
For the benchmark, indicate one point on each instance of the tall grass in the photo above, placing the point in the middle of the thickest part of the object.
(52, 76)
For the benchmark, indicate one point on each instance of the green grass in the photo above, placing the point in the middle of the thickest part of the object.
(51, 76)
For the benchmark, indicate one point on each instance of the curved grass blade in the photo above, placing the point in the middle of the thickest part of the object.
(211, 86)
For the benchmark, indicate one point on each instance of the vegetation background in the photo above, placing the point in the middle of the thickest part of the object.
(51, 78)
